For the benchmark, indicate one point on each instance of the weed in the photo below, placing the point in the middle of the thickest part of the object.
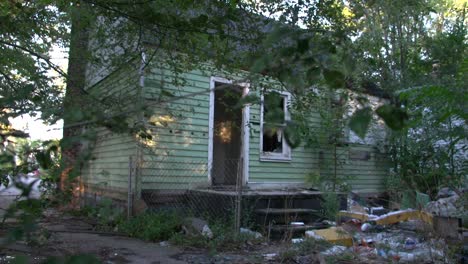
(224, 238)
(288, 256)
(310, 245)
(330, 205)
(105, 212)
(152, 226)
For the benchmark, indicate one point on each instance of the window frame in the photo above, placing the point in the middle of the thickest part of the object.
(285, 156)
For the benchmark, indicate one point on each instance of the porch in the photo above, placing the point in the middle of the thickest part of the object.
(275, 212)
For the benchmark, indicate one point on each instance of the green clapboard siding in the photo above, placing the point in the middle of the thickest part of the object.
(176, 157)
(108, 167)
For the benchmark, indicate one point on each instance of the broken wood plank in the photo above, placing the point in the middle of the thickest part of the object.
(286, 211)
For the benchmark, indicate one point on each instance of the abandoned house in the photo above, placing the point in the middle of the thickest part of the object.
(201, 142)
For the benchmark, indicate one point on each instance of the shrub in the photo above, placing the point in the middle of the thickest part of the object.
(152, 226)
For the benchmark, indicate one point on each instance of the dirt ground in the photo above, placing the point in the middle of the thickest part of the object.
(67, 235)
(62, 235)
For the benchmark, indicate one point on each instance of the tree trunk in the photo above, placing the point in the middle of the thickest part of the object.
(74, 101)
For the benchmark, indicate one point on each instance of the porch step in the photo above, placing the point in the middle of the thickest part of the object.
(298, 228)
(286, 211)
(288, 231)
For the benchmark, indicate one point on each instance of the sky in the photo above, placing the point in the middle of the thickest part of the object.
(37, 129)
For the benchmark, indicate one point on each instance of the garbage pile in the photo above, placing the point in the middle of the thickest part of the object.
(375, 234)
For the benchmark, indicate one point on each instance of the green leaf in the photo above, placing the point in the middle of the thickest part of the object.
(248, 99)
(395, 117)
(292, 135)
(6, 159)
(260, 64)
(44, 159)
(334, 79)
(20, 259)
(302, 45)
(359, 122)
(167, 93)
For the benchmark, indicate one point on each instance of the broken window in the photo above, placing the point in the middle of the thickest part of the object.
(273, 121)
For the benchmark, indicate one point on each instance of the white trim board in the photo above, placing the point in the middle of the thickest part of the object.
(245, 128)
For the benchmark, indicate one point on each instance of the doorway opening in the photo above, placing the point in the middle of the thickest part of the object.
(227, 135)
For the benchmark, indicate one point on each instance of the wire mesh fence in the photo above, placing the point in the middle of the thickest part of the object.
(184, 186)
(217, 194)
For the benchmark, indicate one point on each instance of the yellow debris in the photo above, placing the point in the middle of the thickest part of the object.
(335, 235)
(400, 216)
(355, 215)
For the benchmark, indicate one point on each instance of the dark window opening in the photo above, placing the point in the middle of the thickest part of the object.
(273, 122)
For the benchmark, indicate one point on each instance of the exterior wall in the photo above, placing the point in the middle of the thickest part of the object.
(303, 160)
(176, 157)
(363, 166)
(106, 173)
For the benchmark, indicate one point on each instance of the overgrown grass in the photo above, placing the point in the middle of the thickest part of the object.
(224, 238)
(167, 225)
(306, 247)
(152, 226)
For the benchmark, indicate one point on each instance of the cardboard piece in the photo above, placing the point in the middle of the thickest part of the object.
(335, 235)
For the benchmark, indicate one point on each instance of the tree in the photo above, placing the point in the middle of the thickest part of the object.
(28, 30)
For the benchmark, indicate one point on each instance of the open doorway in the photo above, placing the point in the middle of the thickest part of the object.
(227, 134)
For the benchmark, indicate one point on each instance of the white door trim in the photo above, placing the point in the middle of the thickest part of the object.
(245, 128)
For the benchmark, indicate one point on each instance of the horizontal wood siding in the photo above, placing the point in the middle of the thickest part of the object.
(177, 155)
(108, 169)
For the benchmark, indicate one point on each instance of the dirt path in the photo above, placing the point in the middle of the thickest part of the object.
(108, 248)
(66, 239)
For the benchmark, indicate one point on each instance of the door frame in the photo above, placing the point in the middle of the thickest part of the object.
(245, 131)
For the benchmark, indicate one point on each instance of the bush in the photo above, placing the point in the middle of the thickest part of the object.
(152, 226)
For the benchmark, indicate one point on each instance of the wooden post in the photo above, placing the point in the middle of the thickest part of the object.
(239, 195)
(130, 191)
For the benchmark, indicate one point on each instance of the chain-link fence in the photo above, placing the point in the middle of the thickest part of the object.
(183, 186)
(189, 188)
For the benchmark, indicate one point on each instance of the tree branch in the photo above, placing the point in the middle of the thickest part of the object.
(35, 54)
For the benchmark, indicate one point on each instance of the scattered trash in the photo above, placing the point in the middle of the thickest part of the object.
(443, 206)
(197, 226)
(354, 206)
(406, 257)
(378, 211)
(297, 240)
(328, 222)
(363, 217)
(366, 227)
(335, 250)
(394, 236)
(366, 251)
(297, 223)
(164, 243)
(448, 227)
(422, 200)
(355, 222)
(336, 235)
(403, 215)
(382, 253)
(254, 234)
(445, 192)
(413, 225)
(270, 256)
(410, 243)
(206, 232)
